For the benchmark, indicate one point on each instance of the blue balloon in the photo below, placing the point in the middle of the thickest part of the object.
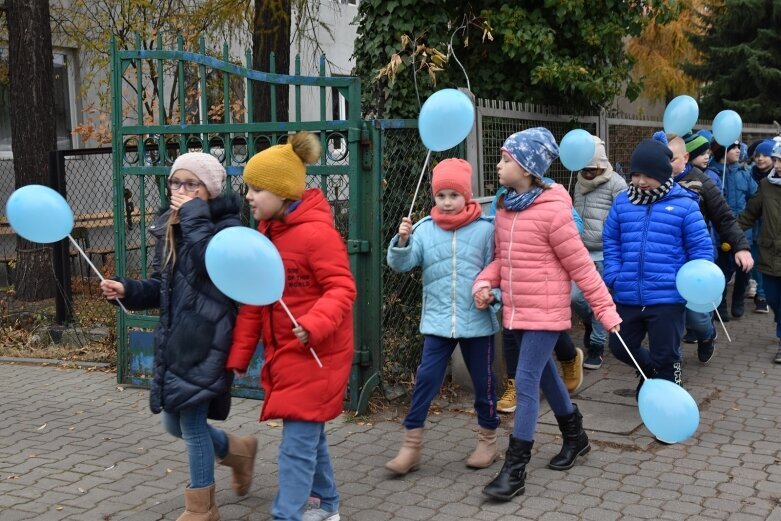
(700, 281)
(668, 410)
(39, 214)
(445, 120)
(576, 149)
(727, 127)
(702, 308)
(681, 115)
(245, 266)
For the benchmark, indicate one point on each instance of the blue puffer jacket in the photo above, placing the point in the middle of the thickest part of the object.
(451, 260)
(646, 244)
(739, 186)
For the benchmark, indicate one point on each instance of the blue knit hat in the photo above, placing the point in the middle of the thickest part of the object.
(534, 149)
(653, 159)
(765, 148)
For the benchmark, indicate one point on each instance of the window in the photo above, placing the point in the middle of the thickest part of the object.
(64, 102)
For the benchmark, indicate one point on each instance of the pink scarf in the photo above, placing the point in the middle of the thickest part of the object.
(470, 212)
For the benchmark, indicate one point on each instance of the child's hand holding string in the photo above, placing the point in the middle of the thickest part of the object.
(301, 334)
(405, 229)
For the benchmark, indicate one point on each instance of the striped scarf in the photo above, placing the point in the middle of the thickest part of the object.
(648, 196)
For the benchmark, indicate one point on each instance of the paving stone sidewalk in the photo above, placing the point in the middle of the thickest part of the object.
(76, 446)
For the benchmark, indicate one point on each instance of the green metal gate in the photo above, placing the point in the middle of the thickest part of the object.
(209, 109)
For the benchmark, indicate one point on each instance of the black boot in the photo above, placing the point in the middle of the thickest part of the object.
(510, 481)
(574, 441)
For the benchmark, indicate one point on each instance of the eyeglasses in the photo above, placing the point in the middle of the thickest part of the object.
(189, 186)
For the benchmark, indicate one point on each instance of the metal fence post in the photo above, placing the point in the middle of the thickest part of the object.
(60, 250)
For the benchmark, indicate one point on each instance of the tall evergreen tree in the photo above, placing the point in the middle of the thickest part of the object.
(740, 44)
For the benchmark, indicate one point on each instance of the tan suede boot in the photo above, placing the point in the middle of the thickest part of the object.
(408, 458)
(485, 453)
(241, 458)
(199, 505)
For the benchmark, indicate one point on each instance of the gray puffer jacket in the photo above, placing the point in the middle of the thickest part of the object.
(593, 200)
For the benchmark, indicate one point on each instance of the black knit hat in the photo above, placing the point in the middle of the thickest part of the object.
(718, 150)
(653, 159)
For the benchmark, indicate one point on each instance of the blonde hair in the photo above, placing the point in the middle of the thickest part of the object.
(169, 248)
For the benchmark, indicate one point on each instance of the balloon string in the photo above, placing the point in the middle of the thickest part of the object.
(571, 173)
(295, 323)
(724, 174)
(630, 356)
(420, 179)
(97, 272)
(452, 52)
(716, 309)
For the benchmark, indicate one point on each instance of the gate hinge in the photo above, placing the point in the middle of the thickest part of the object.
(356, 246)
(362, 357)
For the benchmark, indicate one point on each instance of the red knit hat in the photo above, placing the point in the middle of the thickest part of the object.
(453, 174)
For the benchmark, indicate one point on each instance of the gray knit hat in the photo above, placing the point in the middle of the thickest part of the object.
(206, 168)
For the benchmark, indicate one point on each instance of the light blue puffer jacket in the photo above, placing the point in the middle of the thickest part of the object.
(451, 260)
(646, 244)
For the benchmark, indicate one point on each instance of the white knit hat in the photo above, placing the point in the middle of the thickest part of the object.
(600, 156)
(206, 168)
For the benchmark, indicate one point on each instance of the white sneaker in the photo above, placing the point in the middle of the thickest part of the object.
(751, 290)
(318, 514)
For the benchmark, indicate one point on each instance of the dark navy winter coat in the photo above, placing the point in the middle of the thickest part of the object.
(646, 244)
(193, 337)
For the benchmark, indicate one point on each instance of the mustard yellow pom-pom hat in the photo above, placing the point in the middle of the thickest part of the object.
(281, 169)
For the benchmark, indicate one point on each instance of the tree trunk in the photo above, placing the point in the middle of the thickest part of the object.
(33, 132)
(270, 33)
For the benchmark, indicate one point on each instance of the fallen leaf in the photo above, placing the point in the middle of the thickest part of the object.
(109, 468)
(120, 388)
(273, 424)
(13, 476)
(41, 427)
(58, 508)
(71, 428)
(168, 471)
(82, 490)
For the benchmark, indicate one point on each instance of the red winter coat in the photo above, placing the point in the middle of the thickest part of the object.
(319, 291)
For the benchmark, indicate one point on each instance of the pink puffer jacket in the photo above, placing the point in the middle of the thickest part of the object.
(538, 254)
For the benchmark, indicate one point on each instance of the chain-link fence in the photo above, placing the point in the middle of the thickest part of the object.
(403, 156)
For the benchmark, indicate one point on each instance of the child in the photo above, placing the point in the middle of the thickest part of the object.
(595, 190)
(718, 216)
(192, 339)
(738, 188)
(538, 254)
(319, 291)
(653, 229)
(569, 356)
(762, 167)
(767, 206)
(452, 245)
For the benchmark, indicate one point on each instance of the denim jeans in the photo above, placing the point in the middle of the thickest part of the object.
(304, 470)
(773, 292)
(478, 353)
(564, 350)
(583, 310)
(536, 369)
(699, 326)
(202, 440)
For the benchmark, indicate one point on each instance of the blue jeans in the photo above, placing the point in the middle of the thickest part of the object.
(699, 326)
(304, 470)
(478, 356)
(536, 369)
(773, 293)
(202, 440)
(755, 274)
(583, 310)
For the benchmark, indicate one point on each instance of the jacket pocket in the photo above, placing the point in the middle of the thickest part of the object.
(189, 342)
